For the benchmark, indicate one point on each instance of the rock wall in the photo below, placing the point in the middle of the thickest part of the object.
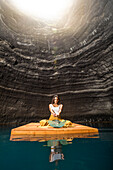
(72, 58)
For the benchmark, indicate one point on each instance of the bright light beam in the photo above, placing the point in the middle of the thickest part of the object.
(47, 9)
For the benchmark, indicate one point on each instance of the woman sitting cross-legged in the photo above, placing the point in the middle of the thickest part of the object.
(55, 109)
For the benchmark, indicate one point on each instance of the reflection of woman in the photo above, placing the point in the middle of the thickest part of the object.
(56, 153)
(55, 109)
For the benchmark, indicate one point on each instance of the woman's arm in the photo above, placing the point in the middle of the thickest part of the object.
(51, 110)
(61, 106)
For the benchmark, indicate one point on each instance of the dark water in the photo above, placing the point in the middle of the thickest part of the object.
(81, 154)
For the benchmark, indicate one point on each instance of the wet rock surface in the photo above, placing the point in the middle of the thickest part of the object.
(72, 58)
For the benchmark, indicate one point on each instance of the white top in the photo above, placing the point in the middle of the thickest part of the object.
(55, 109)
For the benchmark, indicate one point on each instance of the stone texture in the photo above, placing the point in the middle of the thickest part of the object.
(72, 58)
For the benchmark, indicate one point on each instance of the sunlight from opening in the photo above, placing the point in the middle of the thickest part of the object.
(47, 9)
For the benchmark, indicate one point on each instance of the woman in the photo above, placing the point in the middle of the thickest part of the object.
(55, 109)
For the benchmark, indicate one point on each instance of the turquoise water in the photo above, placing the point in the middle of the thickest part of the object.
(81, 154)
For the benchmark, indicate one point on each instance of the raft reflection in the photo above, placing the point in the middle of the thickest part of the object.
(43, 138)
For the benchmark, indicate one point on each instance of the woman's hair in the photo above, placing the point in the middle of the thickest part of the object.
(54, 98)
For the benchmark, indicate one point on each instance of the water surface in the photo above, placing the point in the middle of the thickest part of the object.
(80, 154)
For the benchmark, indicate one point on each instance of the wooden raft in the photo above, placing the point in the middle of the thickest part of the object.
(34, 132)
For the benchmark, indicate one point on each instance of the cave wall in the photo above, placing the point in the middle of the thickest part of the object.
(72, 58)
